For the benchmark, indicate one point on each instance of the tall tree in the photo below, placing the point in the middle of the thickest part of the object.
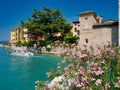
(47, 23)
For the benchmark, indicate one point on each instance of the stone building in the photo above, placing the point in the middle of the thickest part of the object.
(93, 30)
(75, 30)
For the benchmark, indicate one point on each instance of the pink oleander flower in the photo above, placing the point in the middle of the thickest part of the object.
(87, 62)
(68, 51)
(71, 81)
(118, 78)
(98, 82)
(103, 45)
(75, 47)
(83, 55)
(97, 53)
(60, 53)
(84, 79)
(112, 51)
(103, 89)
(78, 85)
(51, 85)
(84, 48)
(103, 62)
(74, 56)
(95, 65)
(99, 72)
(81, 71)
(65, 68)
(59, 67)
(116, 85)
(107, 86)
(93, 79)
(89, 71)
(90, 46)
(108, 49)
(75, 83)
(81, 84)
(108, 43)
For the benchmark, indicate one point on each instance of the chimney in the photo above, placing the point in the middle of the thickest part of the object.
(99, 19)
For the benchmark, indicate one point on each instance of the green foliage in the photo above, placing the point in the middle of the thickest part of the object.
(48, 42)
(70, 34)
(25, 43)
(30, 43)
(46, 23)
(19, 43)
(51, 74)
(40, 85)
(25, 32)
(71, 39)
(42, 43)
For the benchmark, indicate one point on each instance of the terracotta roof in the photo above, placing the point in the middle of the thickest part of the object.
(106, 23)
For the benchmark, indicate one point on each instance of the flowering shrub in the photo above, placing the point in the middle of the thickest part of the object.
(86, 69)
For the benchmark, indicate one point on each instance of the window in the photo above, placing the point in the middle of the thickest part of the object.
(75, 29)
(78, 32)
(86, 18)
(86, 26)
(86, 40)
(23, 38)
(86, 23)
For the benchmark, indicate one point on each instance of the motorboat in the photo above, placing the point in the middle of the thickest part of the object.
(21, 53)
(1, 45)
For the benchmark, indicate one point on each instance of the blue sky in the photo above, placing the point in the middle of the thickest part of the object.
(13, 11)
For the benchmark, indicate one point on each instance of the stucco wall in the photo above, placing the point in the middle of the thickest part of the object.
(96, 37)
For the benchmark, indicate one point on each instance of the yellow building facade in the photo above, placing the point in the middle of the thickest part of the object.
(19, 34)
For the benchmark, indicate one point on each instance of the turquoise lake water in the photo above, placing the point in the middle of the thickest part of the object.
(20, 73)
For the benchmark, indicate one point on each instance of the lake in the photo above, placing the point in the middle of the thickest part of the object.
(20, 73)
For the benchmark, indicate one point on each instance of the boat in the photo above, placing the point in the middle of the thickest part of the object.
(1, 45)
(20, 51)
